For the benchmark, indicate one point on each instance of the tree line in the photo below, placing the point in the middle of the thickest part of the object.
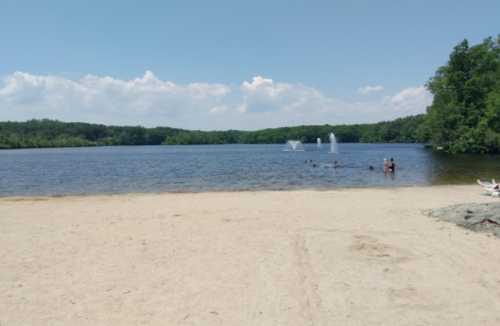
(52, 133)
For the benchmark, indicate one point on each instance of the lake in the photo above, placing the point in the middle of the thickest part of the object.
(66, 171)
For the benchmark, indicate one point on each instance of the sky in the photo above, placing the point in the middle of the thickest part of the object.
(228, 64)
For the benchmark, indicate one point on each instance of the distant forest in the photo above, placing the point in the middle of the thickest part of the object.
(51, 133)
(464, 118)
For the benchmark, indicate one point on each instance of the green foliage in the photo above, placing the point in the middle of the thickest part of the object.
(465, 114)
(50, 133)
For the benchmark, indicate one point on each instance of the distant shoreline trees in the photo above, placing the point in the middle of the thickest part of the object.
(52, 133)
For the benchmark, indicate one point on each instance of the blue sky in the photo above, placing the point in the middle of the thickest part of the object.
(303, 61)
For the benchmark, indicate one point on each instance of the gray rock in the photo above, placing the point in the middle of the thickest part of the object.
(475, 217)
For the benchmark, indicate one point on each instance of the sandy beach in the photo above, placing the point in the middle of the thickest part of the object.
(340, 257)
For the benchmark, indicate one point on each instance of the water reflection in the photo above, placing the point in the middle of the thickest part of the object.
(460, 169)
(230, 167)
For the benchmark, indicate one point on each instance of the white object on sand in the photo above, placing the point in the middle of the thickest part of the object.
(492, 188)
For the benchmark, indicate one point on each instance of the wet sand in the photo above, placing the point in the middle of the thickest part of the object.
(343, 257)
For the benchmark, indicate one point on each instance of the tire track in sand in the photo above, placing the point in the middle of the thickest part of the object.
(310, 300)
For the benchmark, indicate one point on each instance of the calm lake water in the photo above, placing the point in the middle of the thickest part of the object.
(63, 171)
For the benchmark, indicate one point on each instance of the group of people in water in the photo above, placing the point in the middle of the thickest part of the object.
(388, 167)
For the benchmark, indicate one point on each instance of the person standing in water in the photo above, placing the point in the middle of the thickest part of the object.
(386, 166)
(392, 166)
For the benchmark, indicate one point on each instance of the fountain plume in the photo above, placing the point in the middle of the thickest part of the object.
(333, 144)
(294, 146)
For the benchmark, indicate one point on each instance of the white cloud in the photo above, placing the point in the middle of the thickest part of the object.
(150, 101)
(262, 94)
(144, 100)
(218, 109)
(279, 104)
(370, 89)
(409, 101)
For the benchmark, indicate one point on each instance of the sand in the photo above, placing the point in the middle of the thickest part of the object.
(344, 257)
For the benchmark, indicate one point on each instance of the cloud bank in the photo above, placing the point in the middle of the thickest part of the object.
(257, 103)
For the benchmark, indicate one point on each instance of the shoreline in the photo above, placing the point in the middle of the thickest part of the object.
(313, 189)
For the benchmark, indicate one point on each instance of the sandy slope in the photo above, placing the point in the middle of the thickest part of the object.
(346, 257)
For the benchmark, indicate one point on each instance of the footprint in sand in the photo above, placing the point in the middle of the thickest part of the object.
(370, 247)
